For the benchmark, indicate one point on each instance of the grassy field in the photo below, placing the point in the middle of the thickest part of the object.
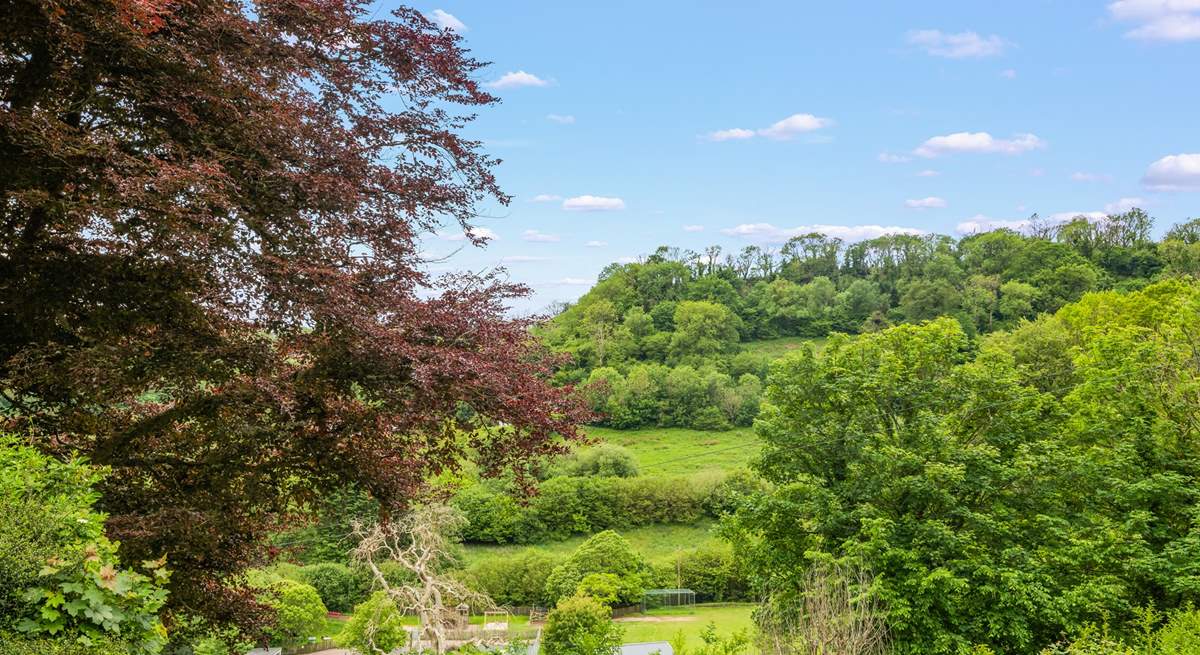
(779, 347)
(679, 451)
(655, 542)
(663, 626)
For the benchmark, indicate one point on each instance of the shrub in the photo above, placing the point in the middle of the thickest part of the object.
(713, 573)
(513, 580)
(59, 574)
(492, 517)
(606, 552)
(13, 644)
(603, 460)
(299, 612)
(580, 625)
(339, 586)
(376, 627)
(604, 587)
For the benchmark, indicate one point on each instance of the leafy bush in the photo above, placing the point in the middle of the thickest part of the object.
(339, 586)
(376, 627)
(580, 625)
(606, 552)
(603, 460)
(513, 580)
(713, 573)
(1180, 635)
(16, 644)
(604, 587)
(68, 575)
(299, 612)
(492, 517)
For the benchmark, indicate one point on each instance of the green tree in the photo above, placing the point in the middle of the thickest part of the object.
(376, 627)
(703, 329)
(299, 612)
(606, 552)
(580, 625)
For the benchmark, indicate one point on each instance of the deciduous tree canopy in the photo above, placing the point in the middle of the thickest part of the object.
(209, 279)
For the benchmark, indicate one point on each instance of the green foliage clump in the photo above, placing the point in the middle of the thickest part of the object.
(1179, 635)
(605, 553)
(515, 580)
(580, 625)
(62, 578)
(339, 586)
(566, 506)
(1001, 495)
(603, 460)
(376, 627)
(299, 612)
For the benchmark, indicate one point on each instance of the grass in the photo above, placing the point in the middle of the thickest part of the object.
(654, 543)
(679, 451)
(728, 617)
(777, 348)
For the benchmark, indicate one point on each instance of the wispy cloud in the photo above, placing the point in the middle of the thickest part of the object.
(539, 237)
(1159, 20)
(693, 228)
(1174, 173)
(516, 80)
(1009, 74)
(447, 21)
(928, 173)
(545, 197)
(977, 142)
(522, 259)
(958, 45)
(561, 119)
(1082, 176)
(932, 202)
(781, 130)
(767, 233)
(476, 232)
(593, 204)
(892, 158)
(596, 244)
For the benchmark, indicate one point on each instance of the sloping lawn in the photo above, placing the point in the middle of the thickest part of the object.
(654, 542)
(663, 626)
(679, 451)
(776, 348)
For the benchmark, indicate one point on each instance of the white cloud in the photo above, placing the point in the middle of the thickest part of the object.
(783, 130)
(957, 46)
(514, 80)
(1174, 173)
(770, 234)
(593, 204)
(1159, 20)
(794, 125)
(890, 158)
(928, 173)
(577, 281)
(561, 119)
(546, 197)
(447, 21)
(1067, 217)
(932, 202)
(627, 260)
(522, 259)
(596, 244)
(1081, 176)
(539, 237)
(1123, 205)
(730, 134)
(477, 232)
(693, 228)
(1009, 74)
(980, 223)
(978, 142)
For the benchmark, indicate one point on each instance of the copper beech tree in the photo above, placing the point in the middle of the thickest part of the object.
(209, 277)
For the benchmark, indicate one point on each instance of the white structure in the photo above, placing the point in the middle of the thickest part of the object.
(647, 648)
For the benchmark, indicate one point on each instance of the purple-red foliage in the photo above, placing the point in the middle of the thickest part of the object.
(209, 277)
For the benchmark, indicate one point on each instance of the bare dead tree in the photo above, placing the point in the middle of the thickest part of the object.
(420, 542)
(835, 614)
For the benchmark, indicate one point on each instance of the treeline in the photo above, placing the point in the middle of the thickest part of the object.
(680, 308)
(1003, 492)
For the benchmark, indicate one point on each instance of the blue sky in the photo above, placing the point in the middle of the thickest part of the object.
(628, 125)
